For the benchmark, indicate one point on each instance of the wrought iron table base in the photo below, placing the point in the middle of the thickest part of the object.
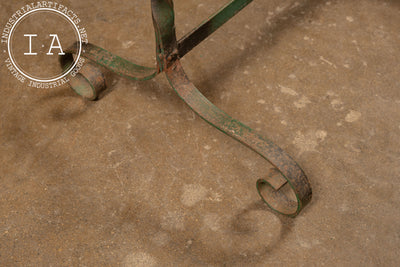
(286, 190)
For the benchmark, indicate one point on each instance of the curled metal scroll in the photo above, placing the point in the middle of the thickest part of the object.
(286, 189)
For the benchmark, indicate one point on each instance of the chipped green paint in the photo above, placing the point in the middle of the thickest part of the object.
(287, 171)
(288, 187)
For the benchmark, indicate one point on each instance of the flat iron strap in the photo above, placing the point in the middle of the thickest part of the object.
(210, 25)
(110, 61)
(287, 169)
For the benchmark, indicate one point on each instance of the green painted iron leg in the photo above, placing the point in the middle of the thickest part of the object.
(286, 189)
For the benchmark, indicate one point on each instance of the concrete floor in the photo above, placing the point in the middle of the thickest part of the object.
(137, 179)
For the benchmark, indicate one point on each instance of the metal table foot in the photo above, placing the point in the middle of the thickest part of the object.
(286, 190)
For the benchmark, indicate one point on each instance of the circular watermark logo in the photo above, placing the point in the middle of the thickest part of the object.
(34, 38)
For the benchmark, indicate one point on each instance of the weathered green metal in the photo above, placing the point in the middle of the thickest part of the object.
(84, 83)
(164, 27)
(112, 62)
(288, 169)
(210, 25)
(286, 189)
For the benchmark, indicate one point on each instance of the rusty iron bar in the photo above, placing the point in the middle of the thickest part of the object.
(286, 190)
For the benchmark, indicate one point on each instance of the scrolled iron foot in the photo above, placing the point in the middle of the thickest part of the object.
(90, 80)
(289, 190)
(286, 190)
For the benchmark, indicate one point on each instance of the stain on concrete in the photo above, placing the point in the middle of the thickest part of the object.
(309, 141)
(287, 90)
(140, 259)
(302, 102)
(212, 221)
(353, 116)
(173, 220)
(337, 104)
(192, 194)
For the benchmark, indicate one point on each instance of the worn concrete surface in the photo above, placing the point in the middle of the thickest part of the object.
(136, 179)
